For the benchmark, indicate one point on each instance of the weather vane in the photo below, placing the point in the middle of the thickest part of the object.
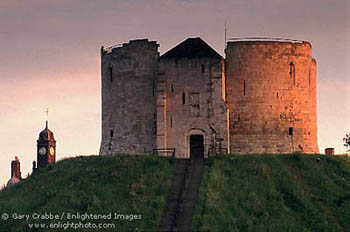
(225, 33)
(47, 113)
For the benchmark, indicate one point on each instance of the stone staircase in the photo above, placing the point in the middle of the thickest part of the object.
(183, 196)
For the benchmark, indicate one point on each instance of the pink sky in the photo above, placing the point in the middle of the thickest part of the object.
(49, 58)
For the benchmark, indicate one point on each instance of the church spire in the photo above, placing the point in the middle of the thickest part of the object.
(47, 116)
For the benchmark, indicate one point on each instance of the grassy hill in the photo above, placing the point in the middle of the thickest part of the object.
(238, 193)
(120, 185)
(275, 193)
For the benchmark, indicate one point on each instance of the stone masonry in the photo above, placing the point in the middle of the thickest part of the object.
(260, 99)
(271, 93)
(129, 73)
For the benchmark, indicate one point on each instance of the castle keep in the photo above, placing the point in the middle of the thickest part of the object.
(260, 98)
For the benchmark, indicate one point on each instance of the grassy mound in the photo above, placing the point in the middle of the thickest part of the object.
(275, 193)
(127, 191)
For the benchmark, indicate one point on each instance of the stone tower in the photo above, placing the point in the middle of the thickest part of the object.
(191, 113)
(46, 148)
(260, 99)
(271, 94)
(128, 97)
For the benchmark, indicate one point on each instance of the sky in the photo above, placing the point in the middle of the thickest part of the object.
(50, 58)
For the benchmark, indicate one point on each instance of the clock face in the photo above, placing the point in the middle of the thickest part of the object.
(52, 151)
(42, 151)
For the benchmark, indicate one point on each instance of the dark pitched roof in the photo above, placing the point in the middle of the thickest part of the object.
(46, 134)
(191, 48)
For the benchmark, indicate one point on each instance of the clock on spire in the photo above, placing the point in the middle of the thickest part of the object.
(46, 146)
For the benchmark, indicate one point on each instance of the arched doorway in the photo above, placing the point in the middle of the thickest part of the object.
(196, 146)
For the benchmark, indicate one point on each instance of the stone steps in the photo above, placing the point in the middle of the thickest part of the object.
(183, 196)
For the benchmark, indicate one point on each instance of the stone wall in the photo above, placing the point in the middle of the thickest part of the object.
(261, 98)
(271, 94)
(190, 102)
(128, 98)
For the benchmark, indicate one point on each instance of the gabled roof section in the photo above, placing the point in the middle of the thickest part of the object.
(191, 48)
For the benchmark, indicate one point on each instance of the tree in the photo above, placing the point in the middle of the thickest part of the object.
(347, 140)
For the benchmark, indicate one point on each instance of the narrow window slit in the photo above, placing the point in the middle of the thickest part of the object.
(111, 74)
(292, 71)
(244, 86)
(290, 132)
(203, 68)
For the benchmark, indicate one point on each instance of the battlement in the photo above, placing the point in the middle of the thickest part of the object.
(277, 46)
(131, 44)
(267, 39)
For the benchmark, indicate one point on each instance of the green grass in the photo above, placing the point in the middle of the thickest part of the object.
(92, 184)
(238, 193)
(275, 193)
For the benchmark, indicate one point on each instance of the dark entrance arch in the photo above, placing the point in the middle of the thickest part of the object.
(196, 146)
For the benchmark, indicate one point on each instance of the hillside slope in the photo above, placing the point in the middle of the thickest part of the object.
(275, 193)
(238, 193)
(129, 191)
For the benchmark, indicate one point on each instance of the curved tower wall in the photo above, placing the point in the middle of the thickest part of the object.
(271, 94)
(128, 98)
